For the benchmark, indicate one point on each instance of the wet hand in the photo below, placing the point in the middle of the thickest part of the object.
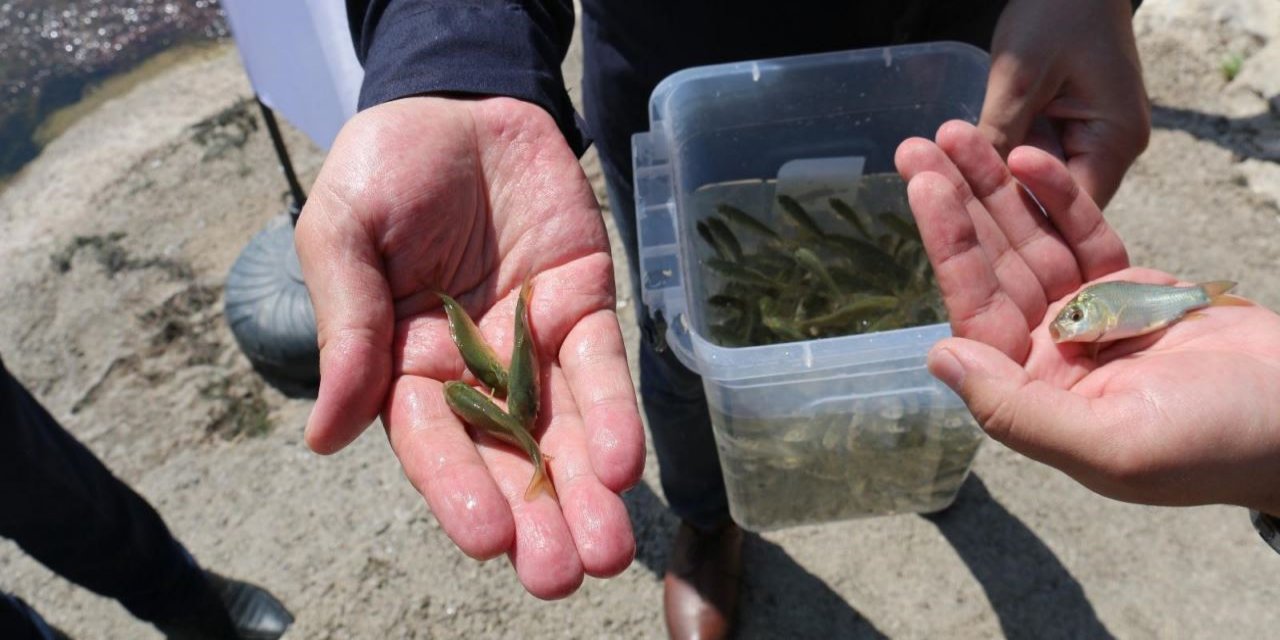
(1065, 77)
(470, 197)
(1184, 416)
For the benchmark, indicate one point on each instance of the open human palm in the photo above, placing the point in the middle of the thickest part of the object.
(1189, 415)
(470, 198)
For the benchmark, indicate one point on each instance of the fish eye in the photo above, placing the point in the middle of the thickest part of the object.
(1076, 314)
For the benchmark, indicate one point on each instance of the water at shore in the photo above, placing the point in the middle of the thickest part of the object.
(54, 51)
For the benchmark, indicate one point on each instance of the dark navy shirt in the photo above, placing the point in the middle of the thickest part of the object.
(515, 47)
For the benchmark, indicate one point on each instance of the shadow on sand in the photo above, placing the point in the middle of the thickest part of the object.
(807, 608)
(1032, 594)
(1030, 591)
(1256, 137)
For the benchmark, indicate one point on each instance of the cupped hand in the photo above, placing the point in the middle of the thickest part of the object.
(471, 197)
(1189, 415)
(1065, 77)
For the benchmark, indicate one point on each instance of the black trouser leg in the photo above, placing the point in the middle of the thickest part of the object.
(65, 509)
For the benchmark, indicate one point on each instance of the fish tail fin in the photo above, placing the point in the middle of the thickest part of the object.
(1230, 301)
(540, 482)
(1217, 292)
(526, 289)
(1217, 287)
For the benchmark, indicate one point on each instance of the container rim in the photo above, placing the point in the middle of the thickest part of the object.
(886, 53)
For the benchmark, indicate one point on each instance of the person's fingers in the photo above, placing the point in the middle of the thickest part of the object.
(1012, 101)
(1097, 247)
(544, 554)
(1044, 136)
(978, 306)
(1100, 152)
(477, 492)
(441, 461)
(596, 517)
(354, 321)
(1017, 214)
(1031, 416)
(595, 366)
(1015, 278)
(916, 156)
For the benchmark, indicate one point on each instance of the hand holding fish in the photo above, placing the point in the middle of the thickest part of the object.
(1188, 414)
(470, 198)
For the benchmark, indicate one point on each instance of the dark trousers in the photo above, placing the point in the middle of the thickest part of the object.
(64, 508)
(673, 399)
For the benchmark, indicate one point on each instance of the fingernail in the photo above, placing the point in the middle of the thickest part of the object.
(944, 365)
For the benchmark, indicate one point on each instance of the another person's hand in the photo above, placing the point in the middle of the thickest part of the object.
(471, 197)
(1190, 415)
(1065, 77)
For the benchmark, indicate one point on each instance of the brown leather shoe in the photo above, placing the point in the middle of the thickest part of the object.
(700, 588)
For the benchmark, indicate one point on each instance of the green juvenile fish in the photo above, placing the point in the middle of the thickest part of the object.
(852, 281)
(724, 301)
(867, 257)
(785, 331)
(704, 230)
(749, 323)
(738, 273)
(845, 211)
(723, 236)
(891, 320)
(481, 413)
(814, 265)
(800, 216)
(745, 220)
(1116, 310)
(803, 281)
(771, 261)
(476, 353)
(776, 324)
(524, 385)
(849, 314)
(899, 226)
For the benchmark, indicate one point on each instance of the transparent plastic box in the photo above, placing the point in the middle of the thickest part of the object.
(824, 429)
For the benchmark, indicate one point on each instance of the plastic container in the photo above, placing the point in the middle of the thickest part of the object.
(818, 430)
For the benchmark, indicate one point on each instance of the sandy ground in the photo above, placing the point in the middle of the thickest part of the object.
(116, 242)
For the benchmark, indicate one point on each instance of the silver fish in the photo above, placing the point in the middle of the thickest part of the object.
(1117, 310)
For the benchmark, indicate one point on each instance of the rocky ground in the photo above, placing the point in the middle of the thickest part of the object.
(116, 241)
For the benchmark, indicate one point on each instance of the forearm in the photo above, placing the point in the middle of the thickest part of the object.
(513, 48)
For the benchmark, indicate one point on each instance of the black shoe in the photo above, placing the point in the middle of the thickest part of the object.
(257, 614)
(230, 610)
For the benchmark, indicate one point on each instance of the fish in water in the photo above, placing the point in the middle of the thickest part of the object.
(1116, 310)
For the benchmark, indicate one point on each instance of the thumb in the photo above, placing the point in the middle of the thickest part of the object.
(1030, 416)
(1016, 94)
(354, 321)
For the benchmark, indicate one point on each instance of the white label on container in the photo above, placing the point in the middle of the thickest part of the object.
(814, 181)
